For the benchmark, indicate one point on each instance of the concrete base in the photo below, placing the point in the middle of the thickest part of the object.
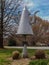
(25, 52)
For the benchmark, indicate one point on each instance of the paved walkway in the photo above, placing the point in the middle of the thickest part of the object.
(27, 47)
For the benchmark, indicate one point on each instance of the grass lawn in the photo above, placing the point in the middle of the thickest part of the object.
(6, 53)
(39, 62)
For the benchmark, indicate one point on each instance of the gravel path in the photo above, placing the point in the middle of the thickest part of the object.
(21, 62)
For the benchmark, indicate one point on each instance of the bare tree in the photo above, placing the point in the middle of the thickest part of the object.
(40, 28)
(1, 24)
(6, 17)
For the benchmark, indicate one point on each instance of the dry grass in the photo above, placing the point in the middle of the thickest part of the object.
(21, 62)
(5, 57)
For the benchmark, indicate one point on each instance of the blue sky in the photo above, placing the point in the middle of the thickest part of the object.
(34, 5)
(41, 5)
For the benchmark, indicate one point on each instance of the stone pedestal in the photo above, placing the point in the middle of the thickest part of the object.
(24, 52)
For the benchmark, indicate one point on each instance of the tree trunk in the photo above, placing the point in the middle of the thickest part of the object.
(1, 26)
